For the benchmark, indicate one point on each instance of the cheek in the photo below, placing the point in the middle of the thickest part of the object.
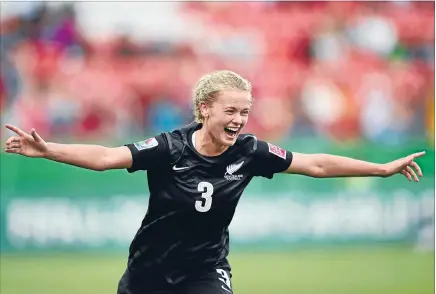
(218, 124)
(222, 120)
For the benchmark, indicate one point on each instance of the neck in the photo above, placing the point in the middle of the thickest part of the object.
(206, 144)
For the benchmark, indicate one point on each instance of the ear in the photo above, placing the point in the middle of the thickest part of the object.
(204, 109)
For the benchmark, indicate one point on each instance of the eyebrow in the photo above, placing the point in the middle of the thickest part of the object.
(234, 108)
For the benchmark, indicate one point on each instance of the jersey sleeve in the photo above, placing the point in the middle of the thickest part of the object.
(270, 159)
(148, 154)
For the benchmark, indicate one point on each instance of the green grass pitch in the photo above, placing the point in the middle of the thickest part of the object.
(336, 271)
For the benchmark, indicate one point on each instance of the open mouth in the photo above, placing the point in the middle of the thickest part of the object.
(231, 131)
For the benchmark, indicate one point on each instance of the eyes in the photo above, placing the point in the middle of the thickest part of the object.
(233, 111)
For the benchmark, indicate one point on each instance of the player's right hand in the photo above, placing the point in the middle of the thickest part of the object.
(31, 145)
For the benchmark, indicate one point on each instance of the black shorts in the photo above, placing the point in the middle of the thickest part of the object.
(216, 281)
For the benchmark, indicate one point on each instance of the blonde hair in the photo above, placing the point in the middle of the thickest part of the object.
(210, 85)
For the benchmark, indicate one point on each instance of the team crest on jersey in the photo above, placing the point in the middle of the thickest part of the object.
(146, 144)
(231, 169)
(277, 150)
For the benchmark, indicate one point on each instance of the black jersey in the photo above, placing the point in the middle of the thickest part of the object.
(193, 199)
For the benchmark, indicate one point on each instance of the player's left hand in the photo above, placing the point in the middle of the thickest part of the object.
(405, 166)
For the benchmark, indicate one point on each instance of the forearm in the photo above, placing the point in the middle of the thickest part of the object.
(86, 156)
(327, 166)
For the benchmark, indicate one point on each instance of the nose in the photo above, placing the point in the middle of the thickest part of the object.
(237, 118)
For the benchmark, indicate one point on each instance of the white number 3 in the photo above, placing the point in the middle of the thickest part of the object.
(225, 279)
(207, 190)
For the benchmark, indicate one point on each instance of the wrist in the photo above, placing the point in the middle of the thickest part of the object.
(381, 170)
(48, 152)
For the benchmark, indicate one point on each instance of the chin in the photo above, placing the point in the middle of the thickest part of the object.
(228, 141)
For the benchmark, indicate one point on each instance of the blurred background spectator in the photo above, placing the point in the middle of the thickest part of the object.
(342, 71)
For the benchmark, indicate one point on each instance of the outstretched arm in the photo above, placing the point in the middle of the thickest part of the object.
(329, 166)
(93, 157)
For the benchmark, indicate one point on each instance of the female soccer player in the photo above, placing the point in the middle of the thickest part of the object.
(196, 176)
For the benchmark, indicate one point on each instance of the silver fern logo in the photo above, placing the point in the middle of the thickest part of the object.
(231, 169)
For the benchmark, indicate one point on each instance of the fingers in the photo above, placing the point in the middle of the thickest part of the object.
(15, 129)
(406, 174)
(13, 148)
(416, 168)
(418, 154)
(414, 165)
(17, 151)
(35, 136)
(14, 145)
(12, 140)
(412, 173)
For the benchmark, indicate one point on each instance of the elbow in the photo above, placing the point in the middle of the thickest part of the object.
(320, 167)
(106, 161)
(314, 172)
(97, 167)
(317, 171)
(314, 167)
(100, 169)
(102, 165)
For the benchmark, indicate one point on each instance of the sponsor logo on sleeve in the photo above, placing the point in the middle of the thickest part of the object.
(146, 144)
(277, 150)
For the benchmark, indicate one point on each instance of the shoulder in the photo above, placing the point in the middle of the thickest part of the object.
(247, 142)
(246, 138)
(179, 136)
(177, 139)
(259, 147)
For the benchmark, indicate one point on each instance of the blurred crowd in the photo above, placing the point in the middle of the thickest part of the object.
(345, 71)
